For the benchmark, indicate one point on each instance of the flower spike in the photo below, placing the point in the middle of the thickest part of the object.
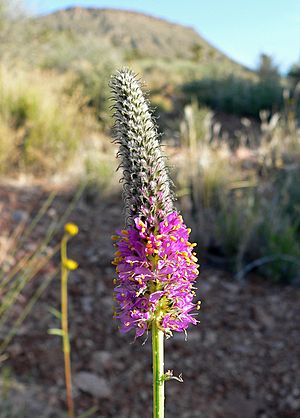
(155, 262)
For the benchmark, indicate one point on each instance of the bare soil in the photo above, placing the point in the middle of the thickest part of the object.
(241, 361)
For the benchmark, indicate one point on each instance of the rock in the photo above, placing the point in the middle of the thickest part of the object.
(262, 317)
(93, 385)
(20, 216)
(102, 360)
(232, 287)
(52, 212)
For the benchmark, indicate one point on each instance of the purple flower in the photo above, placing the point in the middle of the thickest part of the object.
(156, 272)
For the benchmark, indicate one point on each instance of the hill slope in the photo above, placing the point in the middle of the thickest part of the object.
(75, 37)
(148, 36)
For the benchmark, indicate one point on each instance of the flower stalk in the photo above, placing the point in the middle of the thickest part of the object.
(67, 265)
(158, 371)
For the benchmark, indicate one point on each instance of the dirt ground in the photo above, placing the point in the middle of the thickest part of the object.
(241, 361)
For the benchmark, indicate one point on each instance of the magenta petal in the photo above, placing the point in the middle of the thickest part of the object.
(174, 272)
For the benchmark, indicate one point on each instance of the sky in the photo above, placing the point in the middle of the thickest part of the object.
(242, 29)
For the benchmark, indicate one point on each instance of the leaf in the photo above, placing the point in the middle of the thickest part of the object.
(89, 412)
(56, 331)
(55, 312)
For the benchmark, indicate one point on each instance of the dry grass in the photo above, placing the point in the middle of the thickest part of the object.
(244, 202)
(40, 126)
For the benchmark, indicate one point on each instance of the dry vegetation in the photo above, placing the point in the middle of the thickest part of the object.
(244, 201)
(236, 136)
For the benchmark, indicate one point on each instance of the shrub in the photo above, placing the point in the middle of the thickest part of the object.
(236, 217)
(236, 95)
(280, 242)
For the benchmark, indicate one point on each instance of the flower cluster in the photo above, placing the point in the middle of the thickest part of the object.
(155, 262)
(156, 272)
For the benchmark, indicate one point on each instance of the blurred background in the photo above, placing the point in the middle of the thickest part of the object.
(224, 85)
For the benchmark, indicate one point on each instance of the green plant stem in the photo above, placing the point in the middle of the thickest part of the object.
(64, 326)
(158, 371)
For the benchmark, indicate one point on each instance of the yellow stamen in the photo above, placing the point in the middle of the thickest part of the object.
(142, 225)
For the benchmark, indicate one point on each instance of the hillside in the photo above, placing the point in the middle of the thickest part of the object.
(148, 36)
(84, 34)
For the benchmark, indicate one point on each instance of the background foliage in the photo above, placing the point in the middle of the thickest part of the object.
(232, 133)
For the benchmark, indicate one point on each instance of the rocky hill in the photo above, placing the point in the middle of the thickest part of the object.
(135, 34)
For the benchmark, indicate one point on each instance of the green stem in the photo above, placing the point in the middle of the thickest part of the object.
(158, 371)
(65, 327)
